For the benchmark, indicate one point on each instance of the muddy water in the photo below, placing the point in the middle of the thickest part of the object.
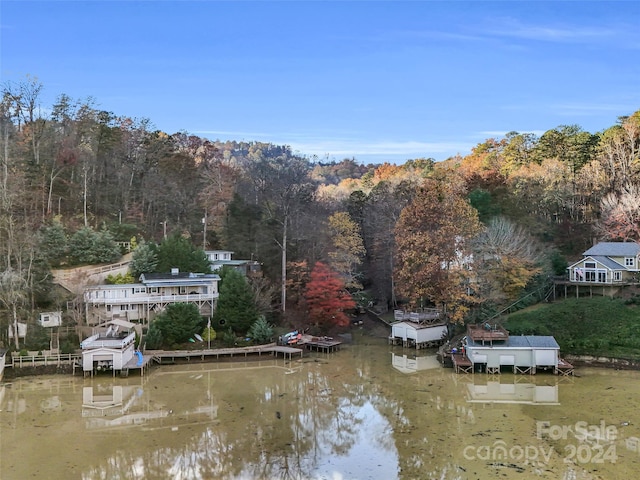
(366, 412)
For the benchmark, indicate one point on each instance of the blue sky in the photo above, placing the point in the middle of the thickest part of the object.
(378, 81)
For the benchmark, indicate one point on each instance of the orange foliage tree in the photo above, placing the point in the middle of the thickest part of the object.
(433, 251)
(327, 298)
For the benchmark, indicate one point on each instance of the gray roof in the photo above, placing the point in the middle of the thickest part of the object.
(614, 249)
(607, 262)
(521, 341)
(534, 341)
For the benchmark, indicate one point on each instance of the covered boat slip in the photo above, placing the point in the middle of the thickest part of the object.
(521, 354)
(418, 335)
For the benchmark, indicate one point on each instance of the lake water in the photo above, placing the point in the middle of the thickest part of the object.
(369, 411)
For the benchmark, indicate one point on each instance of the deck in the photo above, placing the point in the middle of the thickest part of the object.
(486, 333)
(461, 363)
(272, 348)
(564, 368)
(323, 344)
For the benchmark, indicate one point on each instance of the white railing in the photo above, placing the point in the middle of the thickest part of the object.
(97, 341)
(142, 299)
(19, 361)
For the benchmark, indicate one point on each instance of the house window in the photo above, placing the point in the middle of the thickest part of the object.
(153, 289)
(617, 276)
(139, 290)
(589, 264)
(590, 276)
(45, 318)
(629, 262)
(602, 277)
(108, 308)
(183, 290)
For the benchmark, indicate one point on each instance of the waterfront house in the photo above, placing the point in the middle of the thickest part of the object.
(223, 258)
(140, 302)
(607, 263)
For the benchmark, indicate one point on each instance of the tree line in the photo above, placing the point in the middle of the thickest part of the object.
(468, 234)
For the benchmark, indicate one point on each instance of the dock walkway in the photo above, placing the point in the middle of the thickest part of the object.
(202, 354)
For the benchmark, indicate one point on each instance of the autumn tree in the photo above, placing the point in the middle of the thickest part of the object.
(620, 215)
(432, 247)
(505, 258)
(348, 249)
(327, 298)
(281, 186)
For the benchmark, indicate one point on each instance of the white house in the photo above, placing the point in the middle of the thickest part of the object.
(140, 302)
(223, 258)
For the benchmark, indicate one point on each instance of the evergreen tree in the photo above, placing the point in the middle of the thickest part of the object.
(177, 324)
(144, 259)
(178, 252)
(53, 243)
(89, 246)
(236, 308)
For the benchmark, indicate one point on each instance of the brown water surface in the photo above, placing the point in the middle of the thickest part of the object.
(369, 411)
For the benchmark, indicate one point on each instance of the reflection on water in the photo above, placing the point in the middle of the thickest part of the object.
(541, 390)
(413, 363)
(349, 415)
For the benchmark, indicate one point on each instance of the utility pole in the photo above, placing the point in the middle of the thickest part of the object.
(204, 231)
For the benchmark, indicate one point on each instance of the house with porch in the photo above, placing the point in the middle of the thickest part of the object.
(223, 258)
(607, 263)
(140, 302)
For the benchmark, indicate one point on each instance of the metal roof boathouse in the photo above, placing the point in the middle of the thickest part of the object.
(492, 350)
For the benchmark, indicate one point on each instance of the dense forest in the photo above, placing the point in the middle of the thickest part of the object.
(470, 234)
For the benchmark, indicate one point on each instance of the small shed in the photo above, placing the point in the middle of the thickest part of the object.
(420, 335)
(50, 319)
(524, 354)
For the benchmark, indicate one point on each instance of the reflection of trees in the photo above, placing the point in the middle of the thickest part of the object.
(277, 426)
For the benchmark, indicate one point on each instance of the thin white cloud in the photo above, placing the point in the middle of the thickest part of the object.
(341, 147)
(512, 28)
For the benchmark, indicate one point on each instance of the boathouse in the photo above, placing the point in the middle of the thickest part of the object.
(489, 348)
(418, 335)
(522, 354)
(110, 350)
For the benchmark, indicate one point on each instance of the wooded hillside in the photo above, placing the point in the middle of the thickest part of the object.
(517, 205)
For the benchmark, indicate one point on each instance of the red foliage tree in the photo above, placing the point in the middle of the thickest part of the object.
(327, 298)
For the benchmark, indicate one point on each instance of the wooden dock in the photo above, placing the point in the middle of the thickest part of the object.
(461, 363)
(161, 356)
(564, 368)
(322, 344)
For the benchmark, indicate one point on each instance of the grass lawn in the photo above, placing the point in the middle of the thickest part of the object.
(585, 326)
